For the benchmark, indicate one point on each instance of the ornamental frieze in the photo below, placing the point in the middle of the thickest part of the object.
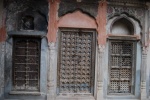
(135, 12)
(127, 1)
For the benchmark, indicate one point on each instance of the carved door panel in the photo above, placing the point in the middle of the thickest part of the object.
(76, 61)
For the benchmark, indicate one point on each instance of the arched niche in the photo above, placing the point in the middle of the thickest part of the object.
(32, 20)
(122, 27)
(77, 19)
(27, 23)
(127, 23)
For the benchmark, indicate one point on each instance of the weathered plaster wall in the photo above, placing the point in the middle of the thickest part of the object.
(88, 6)
(52, 22)
(2, 47)
(77, 19)
(59, 8)
(19, 8)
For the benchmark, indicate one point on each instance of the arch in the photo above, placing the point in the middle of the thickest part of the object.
(77, 19)
(122, 26)
(136, 27)
(131, 38)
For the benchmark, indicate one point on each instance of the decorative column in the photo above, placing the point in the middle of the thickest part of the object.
(143, 73)
(144, 66)
(51, 75)
(52, 31)
(101, 21)
(101, 50)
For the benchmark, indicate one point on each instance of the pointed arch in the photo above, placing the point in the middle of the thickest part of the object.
(136, 26)
(122, 26)
(77, 19)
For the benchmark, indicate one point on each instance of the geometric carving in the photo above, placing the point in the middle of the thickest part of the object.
(76, 65)
(26, 64)
(132, 11)
(127, 1)
(121, 59)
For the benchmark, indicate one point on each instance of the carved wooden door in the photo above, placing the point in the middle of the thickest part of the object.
(76, 61)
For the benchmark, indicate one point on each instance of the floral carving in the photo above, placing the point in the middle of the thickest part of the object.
(137, 13)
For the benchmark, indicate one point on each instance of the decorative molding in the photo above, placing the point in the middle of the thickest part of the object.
(143, 73)
(101, 50)
(126, 1)
(143, 91)
(144, 52)
(50, 73)
(144, 65)
(52, 46)
(135, 12)
(99, 85)
(143, 85)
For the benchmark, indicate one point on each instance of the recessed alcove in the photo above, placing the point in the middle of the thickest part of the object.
(27, 23)
(122, 27)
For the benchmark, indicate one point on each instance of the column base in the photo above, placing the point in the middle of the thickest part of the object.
(143, 91)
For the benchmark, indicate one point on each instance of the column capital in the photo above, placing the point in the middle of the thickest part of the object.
(52, 45)
(144, 50)
(101, 48)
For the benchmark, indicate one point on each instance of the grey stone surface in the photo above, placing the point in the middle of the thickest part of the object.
(2, 47)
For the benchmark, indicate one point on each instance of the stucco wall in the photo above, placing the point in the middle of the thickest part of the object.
(49, 45)
(1, 70)
(2, 45)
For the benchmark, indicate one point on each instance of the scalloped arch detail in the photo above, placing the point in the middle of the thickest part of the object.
(77, 19)
(122, 26)
(136, 25)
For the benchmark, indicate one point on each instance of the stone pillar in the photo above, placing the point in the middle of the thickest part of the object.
(50, 74)
(144, 67)
(101, 21)
(143, 73)
(52, 30)
(101, 49)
